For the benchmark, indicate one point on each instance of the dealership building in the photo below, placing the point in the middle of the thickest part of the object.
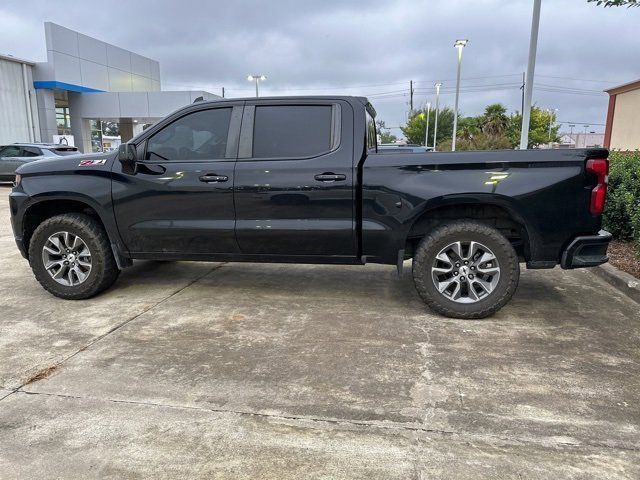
(623, 117)
(84, 86)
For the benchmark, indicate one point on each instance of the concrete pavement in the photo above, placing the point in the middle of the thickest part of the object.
(294, 371)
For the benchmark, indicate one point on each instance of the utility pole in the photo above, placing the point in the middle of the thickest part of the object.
(531, 66)
(410, 97)
(222, 92)
(522, 88)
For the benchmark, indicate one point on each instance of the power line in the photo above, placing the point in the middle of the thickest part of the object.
(577, 79)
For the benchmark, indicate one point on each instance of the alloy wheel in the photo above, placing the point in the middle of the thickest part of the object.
(465, 272)
(67, 258)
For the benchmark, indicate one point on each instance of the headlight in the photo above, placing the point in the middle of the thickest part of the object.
(16, 182)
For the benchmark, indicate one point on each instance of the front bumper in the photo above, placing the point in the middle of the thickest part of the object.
(586, 251)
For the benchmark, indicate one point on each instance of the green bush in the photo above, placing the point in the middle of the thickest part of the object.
(622, 212)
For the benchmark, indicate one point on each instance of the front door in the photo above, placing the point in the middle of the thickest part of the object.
(180, 198)
(294, 179)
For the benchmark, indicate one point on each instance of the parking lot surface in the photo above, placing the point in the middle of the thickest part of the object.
(201, 370)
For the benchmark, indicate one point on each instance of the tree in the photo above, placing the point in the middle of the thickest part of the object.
(110, 128)
(385, 135)
(494, 121)
(538, 127)
(616, 3)
(415, 128)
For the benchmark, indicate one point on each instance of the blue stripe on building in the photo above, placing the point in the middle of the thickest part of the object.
(64, 86)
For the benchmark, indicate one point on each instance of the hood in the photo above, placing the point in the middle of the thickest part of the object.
(68, 163)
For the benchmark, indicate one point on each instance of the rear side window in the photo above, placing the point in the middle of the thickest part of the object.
(292, 131)
(200, 135)
(371, 133)
(31, 152)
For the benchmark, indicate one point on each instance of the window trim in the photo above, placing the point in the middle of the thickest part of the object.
(232, 135)
(245, 150)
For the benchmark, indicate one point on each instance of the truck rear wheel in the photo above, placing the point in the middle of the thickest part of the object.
(465, 269)
(71, 257)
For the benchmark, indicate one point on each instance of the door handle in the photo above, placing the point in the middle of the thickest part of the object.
(330, 177)
(212, 178)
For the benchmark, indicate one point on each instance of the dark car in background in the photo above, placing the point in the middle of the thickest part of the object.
(16, 154)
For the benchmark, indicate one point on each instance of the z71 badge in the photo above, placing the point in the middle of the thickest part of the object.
(92, 163)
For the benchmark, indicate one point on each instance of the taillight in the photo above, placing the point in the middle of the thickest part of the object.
(600, 168)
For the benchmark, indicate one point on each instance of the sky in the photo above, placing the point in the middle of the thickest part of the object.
(372, 48)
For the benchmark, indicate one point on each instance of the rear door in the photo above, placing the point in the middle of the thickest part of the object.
(294, 179)
(180, 198)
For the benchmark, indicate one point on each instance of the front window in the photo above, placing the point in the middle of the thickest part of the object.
(10, 151)
(200, 135)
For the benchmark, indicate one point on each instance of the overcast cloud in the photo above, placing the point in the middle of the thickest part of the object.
(368, 47)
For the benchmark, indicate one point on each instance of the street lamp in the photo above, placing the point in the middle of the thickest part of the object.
(426, 130)
(551, 112)
(256, 78)
(435, 126)
(460, 44)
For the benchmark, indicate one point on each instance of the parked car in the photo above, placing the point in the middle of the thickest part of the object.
(14, 155)
(302, 180)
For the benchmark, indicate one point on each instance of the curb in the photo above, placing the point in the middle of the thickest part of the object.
(627, 284)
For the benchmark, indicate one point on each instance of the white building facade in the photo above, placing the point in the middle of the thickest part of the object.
(84, 83)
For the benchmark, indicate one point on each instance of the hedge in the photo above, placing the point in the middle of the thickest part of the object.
(622, 211)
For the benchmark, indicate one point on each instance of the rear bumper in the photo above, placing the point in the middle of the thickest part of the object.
(586, 251)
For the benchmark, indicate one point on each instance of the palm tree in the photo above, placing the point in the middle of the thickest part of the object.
(495, 121)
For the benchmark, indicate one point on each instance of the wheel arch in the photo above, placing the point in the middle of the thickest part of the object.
(498, 214)
(47, 207)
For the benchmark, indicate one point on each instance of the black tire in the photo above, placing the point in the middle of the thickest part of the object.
(465, 231)
(104, 270)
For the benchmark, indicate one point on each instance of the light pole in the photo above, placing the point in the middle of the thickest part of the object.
(551, 112)
(435, 125)
(426, 130)
(256, 78)
(460, 44)
(531, 66)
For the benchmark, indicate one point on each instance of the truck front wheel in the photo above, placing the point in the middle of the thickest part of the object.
(465, 269)
(71, 257)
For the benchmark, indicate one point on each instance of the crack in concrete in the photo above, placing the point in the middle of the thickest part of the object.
(381, 425)
(37, 376)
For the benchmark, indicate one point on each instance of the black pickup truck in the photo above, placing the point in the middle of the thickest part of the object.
(301, 180)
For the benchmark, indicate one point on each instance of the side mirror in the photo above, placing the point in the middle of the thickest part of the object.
(128, 157)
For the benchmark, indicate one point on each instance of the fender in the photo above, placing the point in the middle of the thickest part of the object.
(509, 204)
(24, 203)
